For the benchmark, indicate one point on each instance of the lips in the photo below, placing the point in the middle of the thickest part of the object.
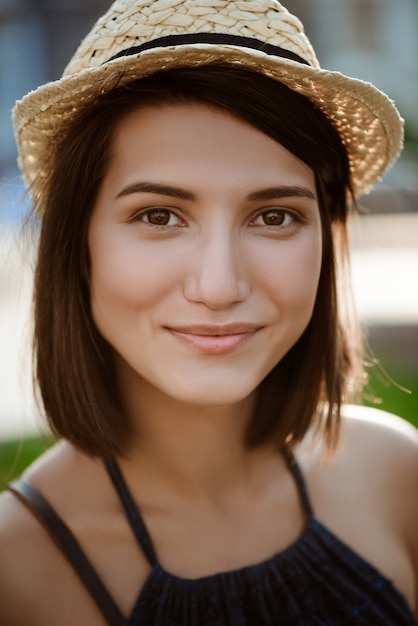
(215, 339)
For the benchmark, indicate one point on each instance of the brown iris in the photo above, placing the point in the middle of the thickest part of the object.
(158, 217)
(274, 218)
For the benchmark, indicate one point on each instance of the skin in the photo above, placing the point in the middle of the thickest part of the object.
(211, 265)
(165, 298)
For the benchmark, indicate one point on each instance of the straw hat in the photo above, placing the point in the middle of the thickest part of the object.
(136, 38)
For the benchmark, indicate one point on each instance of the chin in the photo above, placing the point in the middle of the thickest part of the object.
(212, 390)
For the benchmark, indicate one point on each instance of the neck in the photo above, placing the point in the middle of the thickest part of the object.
(196, 451)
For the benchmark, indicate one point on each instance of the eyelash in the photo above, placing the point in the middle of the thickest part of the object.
(139, 217)
(294, 217)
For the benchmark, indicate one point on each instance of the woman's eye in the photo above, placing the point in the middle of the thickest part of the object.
(159, 217)
(273, 217)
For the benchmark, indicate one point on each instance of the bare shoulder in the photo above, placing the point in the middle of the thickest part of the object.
(37, 585)
(380, 436)
(374, 471)
(367, 492)
(25, 557)
(381, 450)
(35, 575)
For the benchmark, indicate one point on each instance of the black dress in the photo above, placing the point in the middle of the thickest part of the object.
(317, 581)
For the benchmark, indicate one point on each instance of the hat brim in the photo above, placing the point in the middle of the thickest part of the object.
(366, 119)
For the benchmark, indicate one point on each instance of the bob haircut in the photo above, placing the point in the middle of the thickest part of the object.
(74, 366)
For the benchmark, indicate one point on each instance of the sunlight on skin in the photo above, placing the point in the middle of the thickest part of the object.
(191, 304)
(380, 418)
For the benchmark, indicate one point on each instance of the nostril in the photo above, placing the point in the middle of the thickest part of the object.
(217, 272)
(216, 289)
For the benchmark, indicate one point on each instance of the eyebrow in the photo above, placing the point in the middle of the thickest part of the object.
(164, 190)
(284, 191)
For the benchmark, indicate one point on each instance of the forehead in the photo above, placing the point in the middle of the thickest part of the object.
(202, 140)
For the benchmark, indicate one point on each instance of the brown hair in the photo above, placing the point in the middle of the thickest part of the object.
(74, 364)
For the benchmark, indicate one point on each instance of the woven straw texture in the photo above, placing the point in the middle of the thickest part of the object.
(367, 120)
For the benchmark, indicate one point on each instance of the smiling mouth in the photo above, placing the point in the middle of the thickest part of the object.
(213, 339)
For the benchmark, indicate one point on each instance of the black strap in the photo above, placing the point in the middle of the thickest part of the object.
(131, 511)
(69, 546)
(137, 524)
(214, 39)
(300, 481)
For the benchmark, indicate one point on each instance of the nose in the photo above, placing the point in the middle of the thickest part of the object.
(217, 274)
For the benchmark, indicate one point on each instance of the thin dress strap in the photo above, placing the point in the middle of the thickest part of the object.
(132, 513)
(300, 482)
(69, 546)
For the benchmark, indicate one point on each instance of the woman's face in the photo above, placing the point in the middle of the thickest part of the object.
(205, 245)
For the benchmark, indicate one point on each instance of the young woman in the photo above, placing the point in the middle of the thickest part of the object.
(194, 337)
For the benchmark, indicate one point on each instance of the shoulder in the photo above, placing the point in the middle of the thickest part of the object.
(367, 492)
(374, 473)
(382, 450)
(25, 555)
(380, 439)
(27, 558)
(370, 419)
(36, 583)
(374, 445)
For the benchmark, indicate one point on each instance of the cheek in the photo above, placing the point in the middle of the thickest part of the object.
(304, 277)
(290, 273)
(128, 278)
